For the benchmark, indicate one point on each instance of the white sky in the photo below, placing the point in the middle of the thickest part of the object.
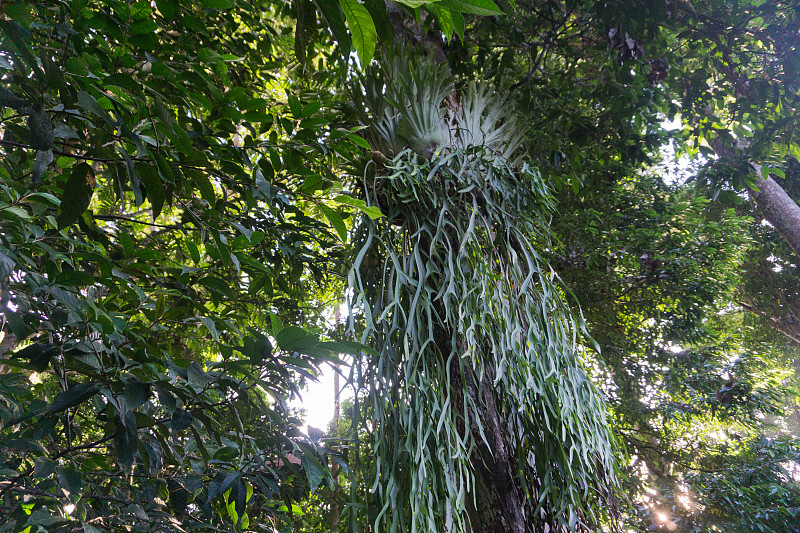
(318, 399)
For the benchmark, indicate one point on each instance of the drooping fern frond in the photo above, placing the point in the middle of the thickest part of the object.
(467, 316)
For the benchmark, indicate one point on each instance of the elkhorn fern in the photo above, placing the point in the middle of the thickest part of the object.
(466, 315)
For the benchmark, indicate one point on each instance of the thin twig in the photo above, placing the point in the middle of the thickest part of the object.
(134, 221)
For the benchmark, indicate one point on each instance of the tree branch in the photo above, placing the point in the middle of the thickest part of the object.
(134, 221)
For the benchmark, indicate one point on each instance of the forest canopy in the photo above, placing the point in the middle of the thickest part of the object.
(550, 248)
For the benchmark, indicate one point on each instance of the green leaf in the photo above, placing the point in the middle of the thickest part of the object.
(126, 439)
(377, 10)
(336, 221)
(333, 16)
(239, 497)
(214, 485)
(193, 251)
(75, 278)
(459, 23)
(123, 80)
(16, 323)
(311, 109)
(360, 141)
(9, 99)
(41, 518)
(166, 399)
(180, 420)
(77, 394)
(15, 211)
(41, 130)
(208, 322)
(365, 37)
(167, 8)
(24, 445)
(349, 200)
(132, 176)
(136, 394)
(275, 323)
(44, 467)
(19, 12)
(75, 66)
(178, 496)
(414, 4)
(314, 471)
(45, 197)
(144, 26)
(312, 183)
(69, 482)
(205, 186)
(19, 39)
(372, 212)
(217, 285)
(218, 4)
(444, 18)
(88, 528)
(198, 376)
(228, 481)
(164, 170)
(126, 242)
(155, 189)
(257, 349)
(77, 194)
(293, 338)
(38, 354)
(295, 105)
(88, 102)
(475, 7)
(302, 19)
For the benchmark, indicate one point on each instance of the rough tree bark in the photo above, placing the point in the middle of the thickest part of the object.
(778, 209)
(499, 502)
(7, 343)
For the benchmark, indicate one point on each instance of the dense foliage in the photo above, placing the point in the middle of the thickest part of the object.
(161, 222)
(184, 188)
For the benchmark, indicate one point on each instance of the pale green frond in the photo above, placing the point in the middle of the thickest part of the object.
(417, 91)
(460, 291)
(484, 119)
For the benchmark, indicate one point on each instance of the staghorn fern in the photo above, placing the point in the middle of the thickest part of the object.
(408, 113)
(451, 292)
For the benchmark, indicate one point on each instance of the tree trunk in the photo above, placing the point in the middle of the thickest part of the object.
(7, 343)
(778, 209)
(783, 214)
(498, 499)
(334, 518)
